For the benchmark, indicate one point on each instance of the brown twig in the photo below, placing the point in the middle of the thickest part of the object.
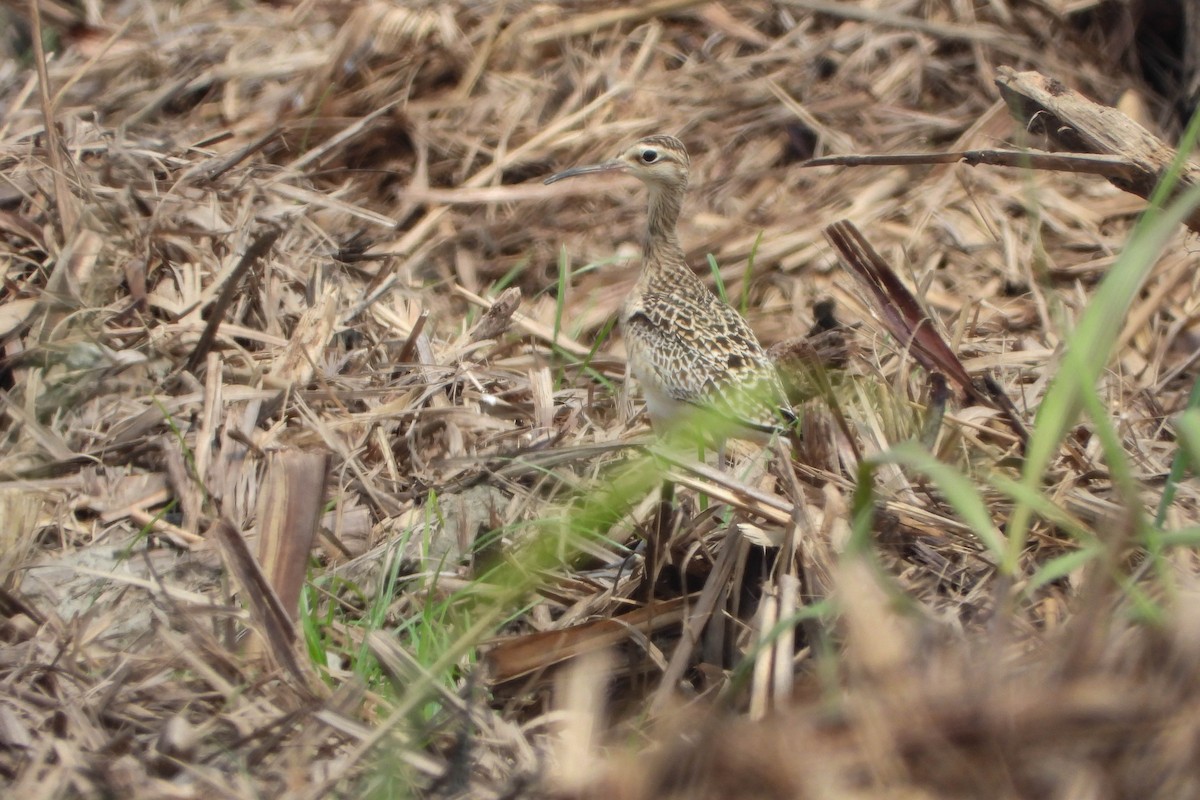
(258, 249)
(63, 199)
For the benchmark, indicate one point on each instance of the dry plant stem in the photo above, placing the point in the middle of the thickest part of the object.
(520, 656)
(213, 170)
(1113, 145)
(1113, 167)
(793, 573)
(68, 217)
(764, 661)
(289, 515)
(410, 342)
(178, 536)
(497, 319)
(658, 543)
(939, 30)
(274, 623)
(298, 364)
(787, 562)
(580, 697)
(333, 143)
(258, 249)
(400, 663)
(790, 590)
(908, 321)
(48, 441)
(1076, 123)
(531, 327)
(700, 616)
(606, 19)
(728, 489)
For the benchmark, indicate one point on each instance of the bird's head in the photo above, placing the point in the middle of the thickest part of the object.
(657, 161)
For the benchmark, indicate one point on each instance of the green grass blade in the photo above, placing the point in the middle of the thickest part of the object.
(1061, 566)
(1184, 537)
(1044, 507)
(508, 277)
(956, 488)
(1189, 451)
(862, 510)
(744, 303)
(1087, 353)
(717, 279)
(564, 269)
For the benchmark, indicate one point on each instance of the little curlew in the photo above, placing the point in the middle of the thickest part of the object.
(690, 351)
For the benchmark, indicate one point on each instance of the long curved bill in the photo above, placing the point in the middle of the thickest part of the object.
(607, 166)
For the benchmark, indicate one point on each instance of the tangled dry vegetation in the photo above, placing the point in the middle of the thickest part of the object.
(284, 512)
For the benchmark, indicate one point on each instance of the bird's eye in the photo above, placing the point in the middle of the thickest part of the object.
(649, 156)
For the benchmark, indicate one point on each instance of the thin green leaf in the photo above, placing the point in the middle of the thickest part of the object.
(717, 279)
(1087, 353)
(1061, 566)
(508, 277)
(862, 509)
(956, 488)
(1044, 507)
(744, 303)
(1184, 537)
(564, 269)
(1179, 464)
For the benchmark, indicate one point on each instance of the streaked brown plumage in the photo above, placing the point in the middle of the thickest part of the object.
(687, 348)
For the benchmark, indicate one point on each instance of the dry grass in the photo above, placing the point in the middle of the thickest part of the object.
(243, 306)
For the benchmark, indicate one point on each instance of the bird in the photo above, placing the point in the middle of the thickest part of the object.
(703, 372)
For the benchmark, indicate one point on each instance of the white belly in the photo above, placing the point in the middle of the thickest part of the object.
(662, 409)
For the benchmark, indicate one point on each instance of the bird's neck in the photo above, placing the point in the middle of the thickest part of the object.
(661, 251)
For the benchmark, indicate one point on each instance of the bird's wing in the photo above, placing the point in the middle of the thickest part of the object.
(715, 362)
